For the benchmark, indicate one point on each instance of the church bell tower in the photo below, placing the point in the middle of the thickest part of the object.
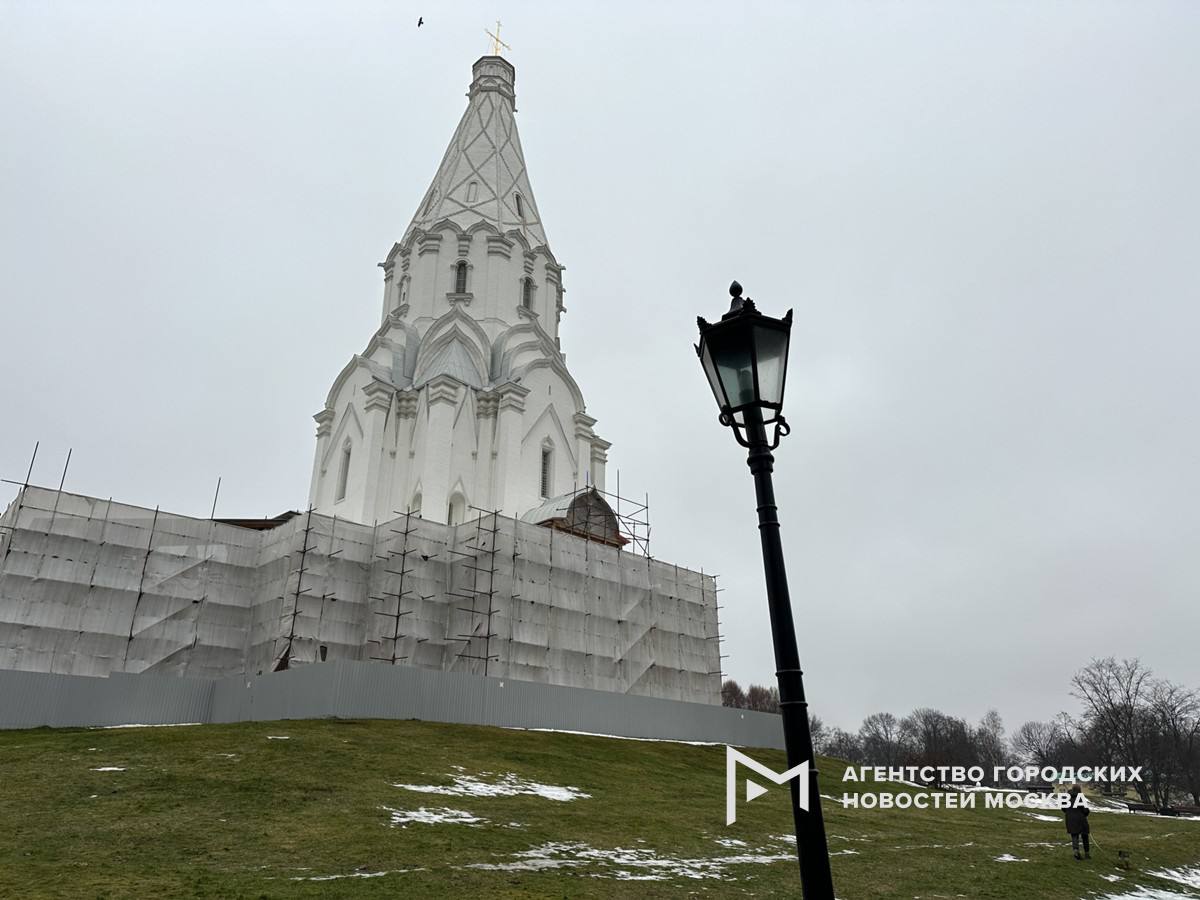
(462, 397)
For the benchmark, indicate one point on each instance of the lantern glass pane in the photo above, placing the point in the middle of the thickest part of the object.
(735, 367)
(711, 373)
(772, 346)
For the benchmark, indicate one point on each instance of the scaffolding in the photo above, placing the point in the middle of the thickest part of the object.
(91, 586)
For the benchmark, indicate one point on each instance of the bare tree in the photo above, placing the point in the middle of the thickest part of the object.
(1177, 714)
(843, 745)
(990, 745)
(880, 739)
(1038, 743)
(733, 695)
(1115, 697)
(762, 699)
(819, 732)
(936, 739)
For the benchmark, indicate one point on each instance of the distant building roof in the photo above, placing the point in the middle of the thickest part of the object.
(585, 513)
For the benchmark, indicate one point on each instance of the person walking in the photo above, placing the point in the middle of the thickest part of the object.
(1077, 823)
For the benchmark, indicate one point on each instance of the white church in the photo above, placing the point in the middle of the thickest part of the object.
(457, 517)
(462, 398)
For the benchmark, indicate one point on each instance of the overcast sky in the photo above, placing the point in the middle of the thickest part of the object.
(986, 217)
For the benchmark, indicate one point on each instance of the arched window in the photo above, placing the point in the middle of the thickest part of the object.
(472, 191)
(415, 507)
(343, 473)
(527, 293)
(520, 207)
(460, 278)
(547, 469)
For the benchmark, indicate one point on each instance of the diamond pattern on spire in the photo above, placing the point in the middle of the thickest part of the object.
(483, 173)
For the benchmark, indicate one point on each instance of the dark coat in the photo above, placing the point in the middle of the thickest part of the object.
(1076, 816)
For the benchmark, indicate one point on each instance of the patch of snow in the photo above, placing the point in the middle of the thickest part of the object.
(432, 816)
(506, 785)
(93, 797)
(730, 842)
(626, 864)
(353, 875)
(1190, 877)
(1008, 857)
(159, 725)
(1042, 818)
(228, 755)
(1147, 893)
(1111, 877)
(109, 769)
(278, 737)
(621, 737)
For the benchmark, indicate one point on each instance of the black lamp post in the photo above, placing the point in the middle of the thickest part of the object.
(745, 358)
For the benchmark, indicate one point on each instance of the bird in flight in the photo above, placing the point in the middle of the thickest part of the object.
(420, 21)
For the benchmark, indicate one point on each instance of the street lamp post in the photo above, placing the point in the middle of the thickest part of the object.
(745, 358)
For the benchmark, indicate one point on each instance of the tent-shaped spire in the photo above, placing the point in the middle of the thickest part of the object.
(482, 176)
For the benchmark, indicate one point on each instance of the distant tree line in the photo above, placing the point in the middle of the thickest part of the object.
(1128, 718)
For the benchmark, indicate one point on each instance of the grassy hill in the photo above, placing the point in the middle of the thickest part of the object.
(311, 809)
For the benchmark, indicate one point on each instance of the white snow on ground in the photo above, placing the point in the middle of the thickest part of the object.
(1146, 893)
(353, 875)
(1111, 877)
(160, 725)
(278, 737)
(506, 785)
(1188, 876)
(1008, 857)
(730, 842)
(109, 769)
(621, 737)
(1042, 818)
(433, 816)
(636, 864)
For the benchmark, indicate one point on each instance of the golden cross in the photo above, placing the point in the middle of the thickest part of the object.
(496, 42)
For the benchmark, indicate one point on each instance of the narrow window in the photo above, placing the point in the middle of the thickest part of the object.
(547, 469)
(520, 207)
(324, 652)
(460, 278)
(456, 512)
(343, 474)
(472, 191)
(527, 293)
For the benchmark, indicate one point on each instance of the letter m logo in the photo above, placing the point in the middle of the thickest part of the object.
(733, 757)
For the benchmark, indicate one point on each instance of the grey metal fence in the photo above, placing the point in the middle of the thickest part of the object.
(363, 690)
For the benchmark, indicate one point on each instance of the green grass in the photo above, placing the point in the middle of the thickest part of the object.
(221, 811)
